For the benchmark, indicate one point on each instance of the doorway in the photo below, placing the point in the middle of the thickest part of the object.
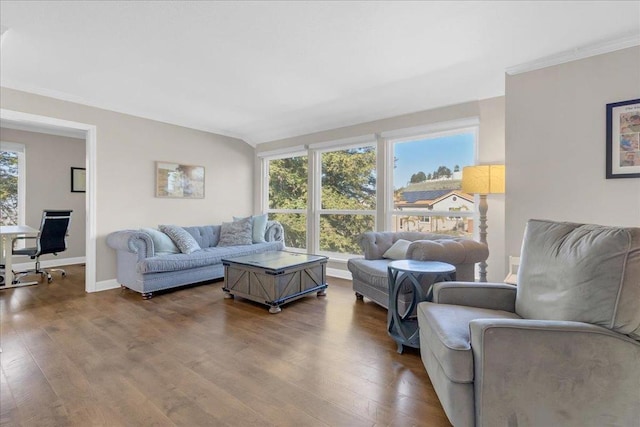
(45, 124)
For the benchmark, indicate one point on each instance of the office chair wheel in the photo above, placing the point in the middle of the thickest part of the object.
(49, 278)
(64, 274)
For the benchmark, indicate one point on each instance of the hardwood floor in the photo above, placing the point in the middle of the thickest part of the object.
(191, 358)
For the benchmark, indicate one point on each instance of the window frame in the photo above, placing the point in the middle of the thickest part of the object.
(20, 150)
(437, 130)
(316, 195)
(264, 199)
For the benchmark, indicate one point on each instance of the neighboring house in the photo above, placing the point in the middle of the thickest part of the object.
(431, 201)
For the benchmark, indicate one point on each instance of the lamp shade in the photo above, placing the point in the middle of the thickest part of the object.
(483, 179)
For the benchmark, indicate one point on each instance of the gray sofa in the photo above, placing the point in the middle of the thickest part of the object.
(140, 269)
(560, 349)
(370, 272)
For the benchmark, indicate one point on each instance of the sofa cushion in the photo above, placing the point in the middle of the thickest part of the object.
(582, 273)
(370, 271)
(183, 240)
(236, 233)
(445, 329)
(207, 236)
(204, 257)
(162, 244)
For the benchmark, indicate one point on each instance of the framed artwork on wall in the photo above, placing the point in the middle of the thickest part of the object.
(78, 180)
(174, 180)
(623, 139)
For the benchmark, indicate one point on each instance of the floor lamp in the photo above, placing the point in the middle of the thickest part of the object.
(483, 180)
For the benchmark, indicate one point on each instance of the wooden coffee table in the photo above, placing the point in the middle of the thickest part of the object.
(274, 278)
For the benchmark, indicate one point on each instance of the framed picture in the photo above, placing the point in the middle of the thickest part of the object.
(623, 139)
(78, 180)
(174, 180)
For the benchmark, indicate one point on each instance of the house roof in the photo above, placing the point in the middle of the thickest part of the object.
(428, 195)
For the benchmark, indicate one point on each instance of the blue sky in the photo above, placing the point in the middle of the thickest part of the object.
(427, 155)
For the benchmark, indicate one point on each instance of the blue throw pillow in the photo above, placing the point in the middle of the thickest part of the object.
(162, 244)
(259, 227)
(183, 240)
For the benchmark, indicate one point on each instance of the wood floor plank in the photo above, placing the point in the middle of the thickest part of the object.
(190, 357)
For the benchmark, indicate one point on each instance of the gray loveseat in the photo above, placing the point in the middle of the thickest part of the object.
(139, 268)
(370, 273)
(560, 349)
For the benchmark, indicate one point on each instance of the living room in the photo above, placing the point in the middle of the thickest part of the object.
(546, 124)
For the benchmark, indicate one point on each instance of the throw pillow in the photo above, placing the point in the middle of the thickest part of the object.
(162, 244)
(259, 227)
(398, 250)
(236, 233)
(183, 240)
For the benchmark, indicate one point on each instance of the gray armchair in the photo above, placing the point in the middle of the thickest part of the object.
(560, 349)
(370, 272)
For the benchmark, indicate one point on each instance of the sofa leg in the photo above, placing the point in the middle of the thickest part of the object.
(359, 296)
(123, 287)
(147, 295)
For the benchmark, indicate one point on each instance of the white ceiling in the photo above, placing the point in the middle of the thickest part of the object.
(268, 70)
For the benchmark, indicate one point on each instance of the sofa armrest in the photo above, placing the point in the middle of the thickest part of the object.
(494, 296)
(452, 251)
(575, 371)
(274, 232)
(133, 241)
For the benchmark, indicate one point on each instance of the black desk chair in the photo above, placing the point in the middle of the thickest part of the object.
(51, 239)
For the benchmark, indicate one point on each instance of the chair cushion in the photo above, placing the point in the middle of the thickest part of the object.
(582, 273)
(446, 330)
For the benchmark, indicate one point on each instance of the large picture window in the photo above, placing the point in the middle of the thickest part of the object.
(327, 194)
(427, 182)
(348, 198)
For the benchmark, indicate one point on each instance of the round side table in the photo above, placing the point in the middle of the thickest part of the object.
(403, 326)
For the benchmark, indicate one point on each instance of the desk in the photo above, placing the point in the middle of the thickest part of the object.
(403, 327)
(8, 232)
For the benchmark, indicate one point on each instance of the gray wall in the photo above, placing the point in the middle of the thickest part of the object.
(48, 162)
(127, 148)
(490, 150)
(555, 146)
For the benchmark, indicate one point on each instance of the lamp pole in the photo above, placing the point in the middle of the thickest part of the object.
(483, 233)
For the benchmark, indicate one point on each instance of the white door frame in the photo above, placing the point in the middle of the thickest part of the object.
(91, 142)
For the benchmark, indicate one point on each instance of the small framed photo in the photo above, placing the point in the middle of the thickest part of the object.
(78, 180)
(174, 180)
(623, 139)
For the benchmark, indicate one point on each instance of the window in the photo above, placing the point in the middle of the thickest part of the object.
(348, 198)
(427, 181)
(287, 197)
(327, 194)
(12, 184)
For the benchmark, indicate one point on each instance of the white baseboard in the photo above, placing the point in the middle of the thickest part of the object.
(340, 274)
(50, 263)
(105, 285)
